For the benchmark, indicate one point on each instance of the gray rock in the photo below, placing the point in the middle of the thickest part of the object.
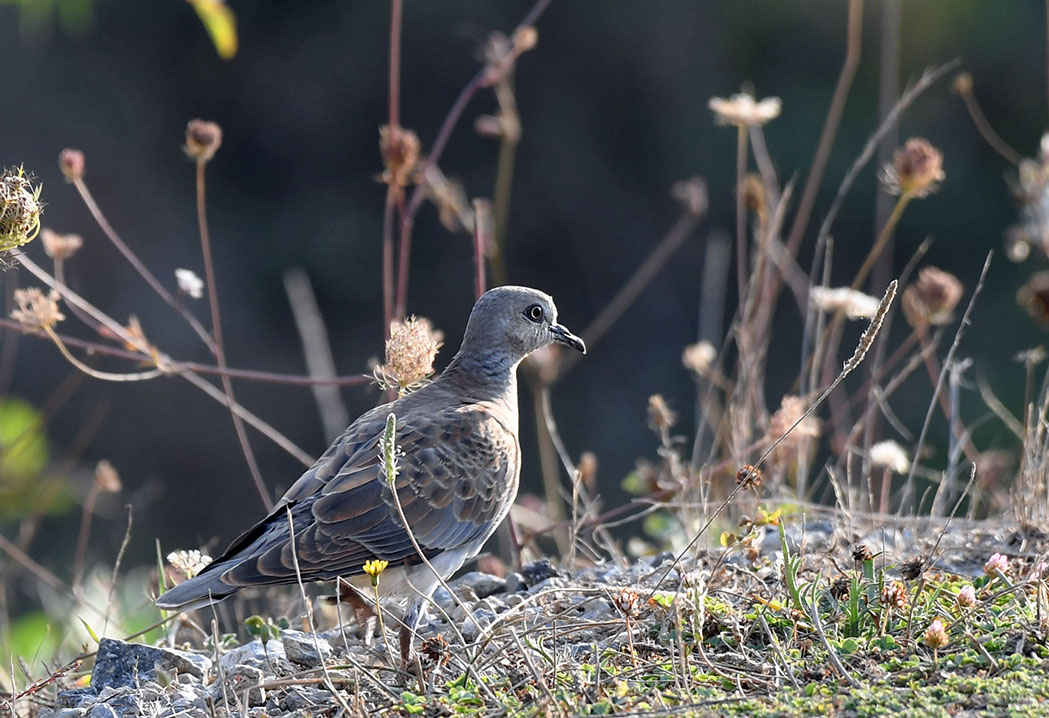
(240, 679)
(301, 648)
(538, 571)
(473, 625)
(272, 652)
(547, 584)
(128, 664)
(305, 698)
(74, 697)
(45, 713)
(70, 713)
(483, 584)
(515, 583)
(102, 710)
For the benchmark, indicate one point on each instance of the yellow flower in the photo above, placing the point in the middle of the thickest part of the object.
(373, 568)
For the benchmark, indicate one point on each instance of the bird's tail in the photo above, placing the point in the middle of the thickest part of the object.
(201, 590)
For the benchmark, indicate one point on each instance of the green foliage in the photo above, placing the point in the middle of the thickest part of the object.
(266, 629)
(25, 489)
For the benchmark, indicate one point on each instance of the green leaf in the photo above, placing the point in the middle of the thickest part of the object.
(220, 23)
(23, 446)
(90, 631)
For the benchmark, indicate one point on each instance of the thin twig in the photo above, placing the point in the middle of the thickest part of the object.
(216, 327)
(482, 237)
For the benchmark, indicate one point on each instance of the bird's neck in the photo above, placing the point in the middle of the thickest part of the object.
(485, 376)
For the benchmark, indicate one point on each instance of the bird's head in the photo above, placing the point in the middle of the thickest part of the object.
(516, 319)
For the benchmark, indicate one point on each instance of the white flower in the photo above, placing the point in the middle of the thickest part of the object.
(890, 455)
(190, 283)
(742, 109)
(189, 562)
(855, 305)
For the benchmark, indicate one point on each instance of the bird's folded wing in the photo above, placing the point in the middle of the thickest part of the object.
(457, 472)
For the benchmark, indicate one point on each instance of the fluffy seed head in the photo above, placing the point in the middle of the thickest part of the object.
(60, 246)
(36, 309)
(203, 139)
(743, 110)
(699, 357)
(71, 162)
(106, 477)
(410, 351)
(20, 209)
(189, 283)
(932, 298)
(890, 455)
(852, 303)
(916, 169)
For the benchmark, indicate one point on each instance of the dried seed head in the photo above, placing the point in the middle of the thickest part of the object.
(871, 332)
(1034, 296)
(749, 477)
(190, 563)
(20, 209)
(963, 83)
(699, 357)
(628, 602)
(410, 351)
(916, 169)
(894, 596)
(692, 194)
(936, 637)
(660, 417)
(997, 563)
(106, 477)
(1018, 242)
(841, 587)
(932, 298)
(36, 309)
(60, 246)
(400, 153)
(890, 455)
(189, 283)
(753, 190)
(453, 208)
(71, 162)
(851, 302)
(203, 139)
(435, 650)
(742, 110)
(966, 597)
(912, 568)
(525, 38)
(587, 468)
(861, 554)
(791, 409)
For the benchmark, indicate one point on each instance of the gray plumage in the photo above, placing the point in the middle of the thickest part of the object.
(458, 474)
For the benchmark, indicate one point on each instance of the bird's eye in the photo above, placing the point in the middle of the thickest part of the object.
(535, 313)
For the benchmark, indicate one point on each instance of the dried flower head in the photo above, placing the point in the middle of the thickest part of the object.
(699, 357)
(203, 140)
(890, 455)
(410, 351)
(36, 309)
(20, 209)
(966, 597)
(692, 194)
(932, 298)
(742, 110)
(106, 477)
(753, 191)
(1018, 243)
(587, 468)
(916, 169)
(453, 208)
(400, 153)
(525, 38)
(71, 162)
(963, 83)
(435, 650)
(894, 596)
(628, 602)
(749, 477)
(840, 588)
(189, 283)
(912, 568)
(936, 637)
(190, 563)
(997, 563)
(660, 417)
(791, 409)
(1034, 297)
(60, 246)
(861, 554)
(852, 303)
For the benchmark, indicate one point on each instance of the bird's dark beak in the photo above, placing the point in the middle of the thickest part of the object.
(564, 336)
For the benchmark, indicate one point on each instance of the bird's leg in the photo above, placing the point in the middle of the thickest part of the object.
(413, 616)
(362, 610)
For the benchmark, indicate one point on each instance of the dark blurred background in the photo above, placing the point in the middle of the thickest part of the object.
(613, 103)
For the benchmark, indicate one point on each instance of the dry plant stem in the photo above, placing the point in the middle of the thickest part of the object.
(95, 374)
(504, 177)
(883, 239)
(85, 533)
(991, 137)
(933, 368)
(116, 566)
(741, 214)
(854, 37)
(482, 220)
(909, 486)
(220, 352)
(637, 283)
(548, 462)
(141, 268)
